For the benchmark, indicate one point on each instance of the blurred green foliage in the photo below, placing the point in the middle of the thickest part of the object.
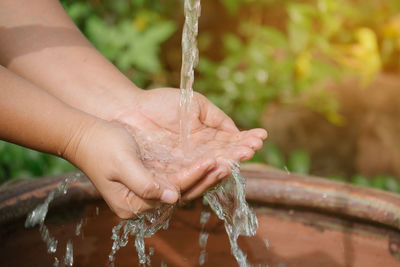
(17, 161)
(299, 161)
(321, 41)
(283, 60)
(128, 32)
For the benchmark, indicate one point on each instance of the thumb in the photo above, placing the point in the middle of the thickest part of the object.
(146, 185)
(211, 116)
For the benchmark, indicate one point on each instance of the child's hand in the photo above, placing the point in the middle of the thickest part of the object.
(110, 157)
(153, 118)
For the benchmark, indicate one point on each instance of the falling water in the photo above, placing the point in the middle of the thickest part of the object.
(190, 57)
(229, 203)
(69, 254)
(204, 217)
(38, 216)
(146, 225)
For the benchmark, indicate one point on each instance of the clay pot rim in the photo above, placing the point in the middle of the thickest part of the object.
(265, 185)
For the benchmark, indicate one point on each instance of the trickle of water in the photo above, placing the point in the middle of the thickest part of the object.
(78, 228)
(266, 241)
(146, 225)
(69, 254)
(190, 58)
(204, 217)
(229, 203)
(38, 215)
(56, 262)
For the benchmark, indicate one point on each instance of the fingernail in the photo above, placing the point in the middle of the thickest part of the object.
(169, 196)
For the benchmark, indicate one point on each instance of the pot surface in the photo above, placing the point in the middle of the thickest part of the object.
(296, 238)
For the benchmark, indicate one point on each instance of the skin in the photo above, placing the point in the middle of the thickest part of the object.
(103, 123)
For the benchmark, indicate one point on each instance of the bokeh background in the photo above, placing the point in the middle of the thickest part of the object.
(322, 76)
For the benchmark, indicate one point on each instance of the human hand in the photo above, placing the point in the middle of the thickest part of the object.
(153, 118)
(111, 158)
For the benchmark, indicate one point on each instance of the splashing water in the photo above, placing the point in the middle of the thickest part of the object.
(78, 228)
(38, 216)
(146, 225)
(69, 254)
(204, 217)
(229, 203)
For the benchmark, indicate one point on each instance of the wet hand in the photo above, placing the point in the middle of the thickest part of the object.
(111, 158)
(154, 119)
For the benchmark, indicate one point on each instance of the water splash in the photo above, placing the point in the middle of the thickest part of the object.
(146, 225)
(69, 254)
(190, 58)
(38, 215)
(204, 217)
(229, 203)
(78, 228)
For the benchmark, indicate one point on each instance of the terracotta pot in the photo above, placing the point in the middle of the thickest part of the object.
(307, 221)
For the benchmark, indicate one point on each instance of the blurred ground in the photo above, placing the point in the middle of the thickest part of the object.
(367, 143)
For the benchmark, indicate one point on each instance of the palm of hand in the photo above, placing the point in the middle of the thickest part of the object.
(154, 121)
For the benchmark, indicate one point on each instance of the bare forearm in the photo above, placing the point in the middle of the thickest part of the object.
(40, 43)
(33, 118)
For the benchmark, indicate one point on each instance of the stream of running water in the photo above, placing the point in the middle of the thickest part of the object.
(190, 58)
(227, 201)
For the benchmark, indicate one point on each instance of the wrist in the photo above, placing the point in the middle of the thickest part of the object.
(100, 98)
(76, 141)
(117, 101)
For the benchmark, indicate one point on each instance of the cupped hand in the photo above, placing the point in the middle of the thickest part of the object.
(111, 158)
(153, 118)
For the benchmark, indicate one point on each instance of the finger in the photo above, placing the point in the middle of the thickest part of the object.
(138, 205)
(197, 171)
(254, 133)
(241, 153)
(147, 186)
(212, 179)
(254, 143)
(245, 154)
(258, 132)
(236, 153)
(213, 117)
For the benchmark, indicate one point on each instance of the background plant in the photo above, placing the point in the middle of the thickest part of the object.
(318, 42)
(273, 52)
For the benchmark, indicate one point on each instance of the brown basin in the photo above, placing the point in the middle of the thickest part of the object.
(307, 221)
